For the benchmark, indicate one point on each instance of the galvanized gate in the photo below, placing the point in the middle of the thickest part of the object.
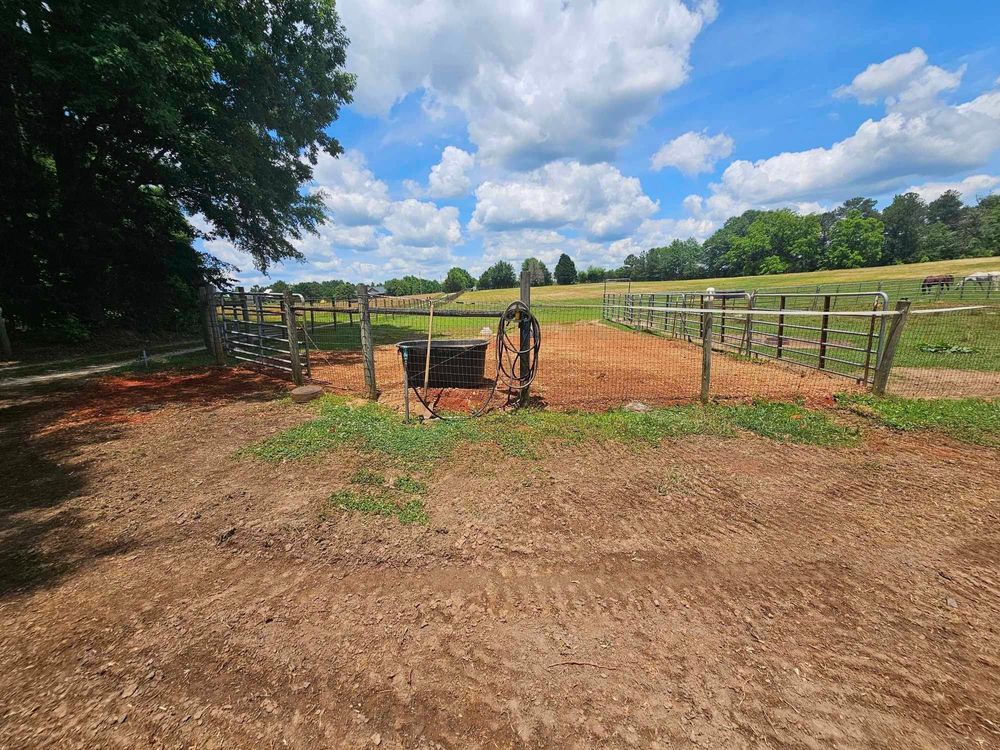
(264, 329)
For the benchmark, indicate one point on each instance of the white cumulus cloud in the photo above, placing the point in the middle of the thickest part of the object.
(450, 177)
(596, 199)
(536, 81)
(905, 81)
(971, 187)
(422, 224)
(934, 140)
(693, 153)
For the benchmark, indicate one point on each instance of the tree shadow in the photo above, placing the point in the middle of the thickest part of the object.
(45, 434)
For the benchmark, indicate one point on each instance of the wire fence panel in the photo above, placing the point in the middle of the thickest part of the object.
(635, 347)
(949, 354)
(754, 325)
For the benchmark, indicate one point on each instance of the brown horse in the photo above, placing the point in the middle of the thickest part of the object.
(945, 281)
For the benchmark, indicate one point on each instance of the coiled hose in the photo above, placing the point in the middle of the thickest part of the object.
(511, 378)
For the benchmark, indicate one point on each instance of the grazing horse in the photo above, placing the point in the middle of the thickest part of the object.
(944, 282)
(988, 280)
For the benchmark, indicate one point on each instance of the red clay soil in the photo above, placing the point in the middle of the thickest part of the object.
(593, 366)
(159, 590)
(118, 399)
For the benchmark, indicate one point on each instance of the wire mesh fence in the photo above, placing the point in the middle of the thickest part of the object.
(459, 357)
(949, 354)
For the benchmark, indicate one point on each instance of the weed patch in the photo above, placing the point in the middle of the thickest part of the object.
(971, 420)
(376, 430)
(790, 423)
(382, 502)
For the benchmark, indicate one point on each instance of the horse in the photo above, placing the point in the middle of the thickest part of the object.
(945, 281)
(988, 280)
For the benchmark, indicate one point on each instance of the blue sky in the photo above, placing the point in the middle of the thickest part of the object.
(486, 131)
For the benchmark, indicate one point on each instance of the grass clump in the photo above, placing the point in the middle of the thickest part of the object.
(972, 420)
(790, 423)
(378, 431)
(410, 485)
(368, 477)
(384, 504)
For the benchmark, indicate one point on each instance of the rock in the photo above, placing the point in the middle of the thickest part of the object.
(306, 393)
(952, 603)
(225, 534)
(376, 739)
(637, 406)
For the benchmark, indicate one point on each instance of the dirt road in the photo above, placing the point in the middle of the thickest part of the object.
(158, 590)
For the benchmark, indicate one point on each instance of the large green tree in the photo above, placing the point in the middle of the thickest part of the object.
(776, 242)
(904, 221)
(540, 275)
(457, 280)
(498, 276)
(120, 119)
(855, 241)
(565, 272)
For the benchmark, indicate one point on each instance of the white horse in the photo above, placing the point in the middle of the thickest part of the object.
(988, 280)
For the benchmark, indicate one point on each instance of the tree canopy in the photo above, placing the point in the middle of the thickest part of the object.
(498, 276)
(457, 280)
(565, 270)
(852, 235)
(120, 120)
(540, 275)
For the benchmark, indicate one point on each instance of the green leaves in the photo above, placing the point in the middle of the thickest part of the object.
(125, 117)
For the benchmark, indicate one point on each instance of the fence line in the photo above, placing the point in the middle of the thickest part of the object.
(600, 355)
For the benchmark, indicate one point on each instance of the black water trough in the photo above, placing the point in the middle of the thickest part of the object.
(455, 363)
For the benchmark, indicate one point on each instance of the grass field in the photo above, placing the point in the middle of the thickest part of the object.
(592, 293)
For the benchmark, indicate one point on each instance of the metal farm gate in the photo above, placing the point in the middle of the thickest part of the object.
(263, 329)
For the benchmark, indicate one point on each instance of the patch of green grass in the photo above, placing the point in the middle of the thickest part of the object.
(382, 504)
(368, 477)
(376, 430)
(791, 423)
(410, 485)
(970, 420)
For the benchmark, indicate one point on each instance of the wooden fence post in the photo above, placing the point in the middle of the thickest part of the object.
(524, 363)
(884, 365)
(292, 330)
(5, 350)
(706, 350)
(210, 324)
(367, 343)
(245, 309)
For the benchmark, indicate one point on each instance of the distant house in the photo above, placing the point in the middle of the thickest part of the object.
(377, 291)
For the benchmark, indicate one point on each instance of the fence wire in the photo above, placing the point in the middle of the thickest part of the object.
(647, 348)
(948, 354)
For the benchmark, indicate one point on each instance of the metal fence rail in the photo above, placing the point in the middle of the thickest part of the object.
(263, 329)
(847, 346)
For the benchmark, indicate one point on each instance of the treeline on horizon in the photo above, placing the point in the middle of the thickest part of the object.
(854, 235)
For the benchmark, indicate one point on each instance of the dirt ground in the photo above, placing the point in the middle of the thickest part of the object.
(590, 365)
(157, 590)
(943, 382)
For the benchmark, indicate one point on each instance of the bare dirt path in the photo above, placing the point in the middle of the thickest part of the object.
(159, 591)
(74, 373)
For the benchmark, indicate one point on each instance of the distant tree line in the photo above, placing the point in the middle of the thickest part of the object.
(854, 235)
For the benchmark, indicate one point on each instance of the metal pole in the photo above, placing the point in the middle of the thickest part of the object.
(884, 365)
(292, 329)
(427, 356)
(367, 344)
(524, 363)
